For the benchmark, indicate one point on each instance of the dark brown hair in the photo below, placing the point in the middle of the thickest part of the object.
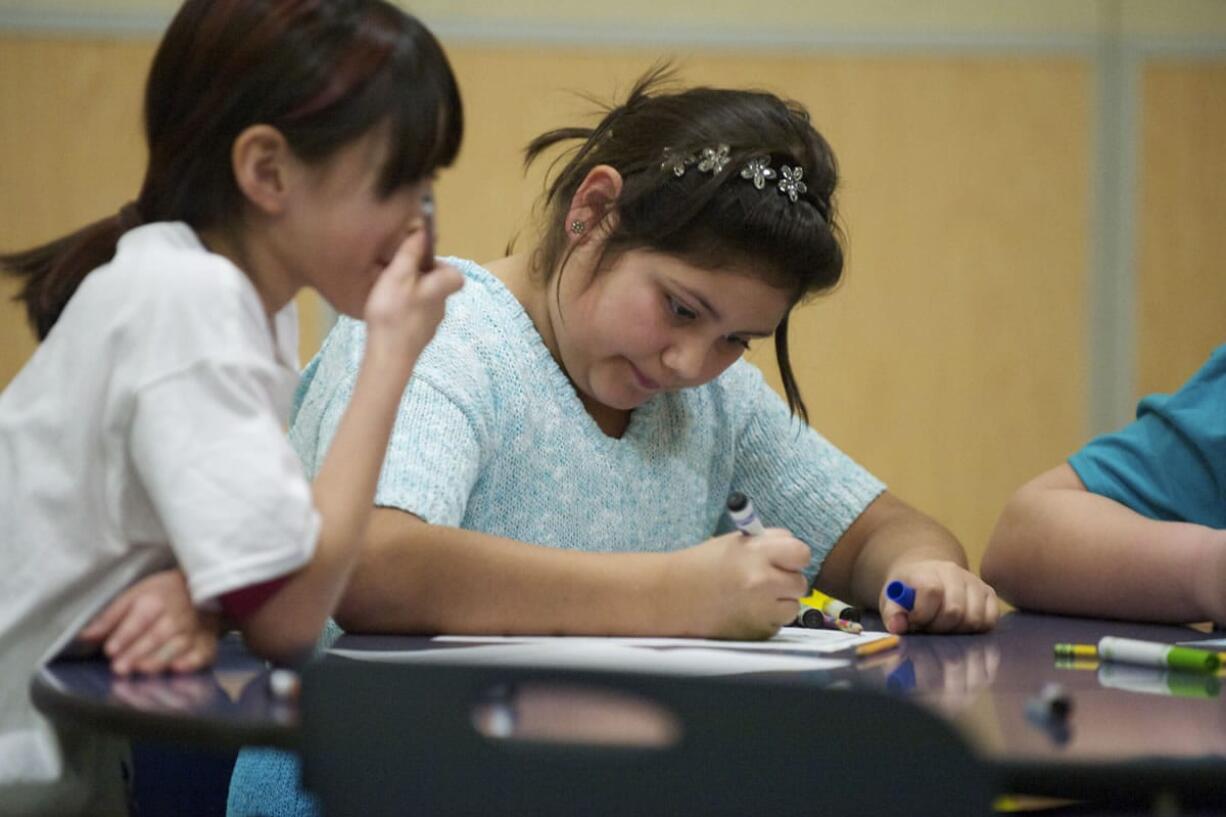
(322, 72)
(711, 220)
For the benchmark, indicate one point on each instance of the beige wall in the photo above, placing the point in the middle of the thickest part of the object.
(953, 362)
(1181, 219)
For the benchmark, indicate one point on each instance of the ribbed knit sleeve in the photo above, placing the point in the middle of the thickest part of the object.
(433, 458)
(795, 477)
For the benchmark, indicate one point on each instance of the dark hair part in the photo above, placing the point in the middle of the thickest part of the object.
(322, 72)
(711, 220)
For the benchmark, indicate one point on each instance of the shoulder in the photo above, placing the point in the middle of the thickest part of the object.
(485, 344)
(182, 289)
(474, 352)
(735, 395)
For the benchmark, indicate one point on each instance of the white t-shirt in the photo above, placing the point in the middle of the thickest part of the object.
(148, 430)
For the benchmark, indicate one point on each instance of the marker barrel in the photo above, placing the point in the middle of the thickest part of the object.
(741, 511)
(831, 606)
(1153, 654)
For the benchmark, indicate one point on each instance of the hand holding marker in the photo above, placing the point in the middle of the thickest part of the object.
(816, 609)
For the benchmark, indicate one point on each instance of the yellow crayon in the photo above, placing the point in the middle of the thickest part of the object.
(1076, 651)
(880, 645)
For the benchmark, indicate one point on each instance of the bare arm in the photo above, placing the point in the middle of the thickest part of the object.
(402, 312)
(416, 577)
(892, 540)
(1061, 548)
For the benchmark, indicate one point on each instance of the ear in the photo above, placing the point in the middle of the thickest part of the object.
(263, 167)
(594, 202)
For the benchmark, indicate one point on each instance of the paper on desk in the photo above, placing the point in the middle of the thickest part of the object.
(787, 640)
(600, 654)
(1207, 644)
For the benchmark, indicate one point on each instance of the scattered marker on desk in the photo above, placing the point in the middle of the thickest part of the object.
(284, 683)
(809, 618)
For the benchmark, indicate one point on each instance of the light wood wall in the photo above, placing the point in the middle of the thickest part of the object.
(1181, 220)
(952, 361)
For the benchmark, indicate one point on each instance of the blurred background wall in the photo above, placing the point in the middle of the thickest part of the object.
(1034, 192)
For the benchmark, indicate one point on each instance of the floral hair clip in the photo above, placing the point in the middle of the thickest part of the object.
(713, 160)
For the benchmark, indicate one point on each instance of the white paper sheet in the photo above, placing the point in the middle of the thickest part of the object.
(601, 654)
(787, 640)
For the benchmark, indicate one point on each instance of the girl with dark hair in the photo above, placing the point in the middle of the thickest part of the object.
(292, 143)
(563, 455)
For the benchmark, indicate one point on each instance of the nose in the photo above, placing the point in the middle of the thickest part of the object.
(686, 358)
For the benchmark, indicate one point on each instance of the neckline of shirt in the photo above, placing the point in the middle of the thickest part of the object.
(545, 362)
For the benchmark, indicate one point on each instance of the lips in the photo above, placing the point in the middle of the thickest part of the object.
(644, 382)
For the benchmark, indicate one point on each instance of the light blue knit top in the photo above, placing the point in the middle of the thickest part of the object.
(491, 436)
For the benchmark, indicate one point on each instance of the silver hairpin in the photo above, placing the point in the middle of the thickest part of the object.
(676, 162)
(713, 160)
(790, 183)
(758, 170)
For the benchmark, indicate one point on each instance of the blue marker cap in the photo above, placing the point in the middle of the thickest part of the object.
(901, 594)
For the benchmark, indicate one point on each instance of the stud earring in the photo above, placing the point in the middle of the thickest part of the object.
(577, 227)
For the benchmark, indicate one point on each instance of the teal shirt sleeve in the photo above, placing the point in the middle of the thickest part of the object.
(1170, 463)
(796, 478)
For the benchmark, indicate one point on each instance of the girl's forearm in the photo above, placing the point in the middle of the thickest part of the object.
(290, 621)
(1067, 550)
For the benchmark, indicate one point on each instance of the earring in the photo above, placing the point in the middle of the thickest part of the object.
(577, 227)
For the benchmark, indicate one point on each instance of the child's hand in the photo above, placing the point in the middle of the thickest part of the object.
(948, 599)
(736, 586)
(406, 305)
(153, 627)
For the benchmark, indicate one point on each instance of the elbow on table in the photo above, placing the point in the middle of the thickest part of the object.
(279, 643)
(1009, 560)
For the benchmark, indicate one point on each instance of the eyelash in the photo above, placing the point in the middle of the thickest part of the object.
(683, 312)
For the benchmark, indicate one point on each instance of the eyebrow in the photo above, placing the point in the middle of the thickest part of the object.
(715, 314)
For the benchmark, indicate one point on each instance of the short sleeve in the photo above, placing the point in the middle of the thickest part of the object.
(433, 456)
(1170, 463)
(230, 492)
(795, 477)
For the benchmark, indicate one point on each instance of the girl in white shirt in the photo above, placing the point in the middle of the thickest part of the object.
(291, 144)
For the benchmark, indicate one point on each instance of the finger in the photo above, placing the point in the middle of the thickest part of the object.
(154, 639)
(790, 585)
(201, 654)
(442, 281)
(976, 610)
(140, 616)
(161, 657)
(784, 612)
(953, 606)
(407, 258)
(786, 554)
(992, 608)
(105, 622)
(929, 602)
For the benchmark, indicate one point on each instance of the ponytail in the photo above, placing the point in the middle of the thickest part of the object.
(53, 271)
